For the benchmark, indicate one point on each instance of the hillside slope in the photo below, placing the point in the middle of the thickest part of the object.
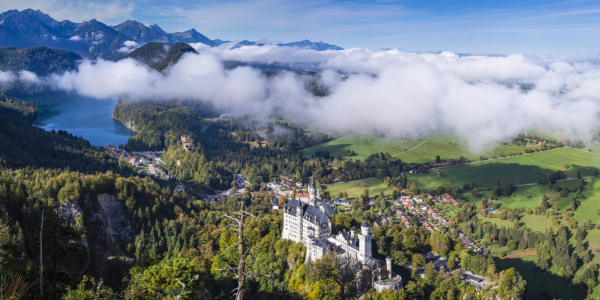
(160, 55)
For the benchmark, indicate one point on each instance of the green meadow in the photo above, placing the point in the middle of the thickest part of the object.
(588, 206)
(430, 180)
(355, 188)
(422, 150)
(531, 195)
(498, 222)
(527, 168)
(535, 222)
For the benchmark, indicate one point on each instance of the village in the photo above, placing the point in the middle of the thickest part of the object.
(144, 162)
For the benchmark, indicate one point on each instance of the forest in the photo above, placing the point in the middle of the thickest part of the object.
(75, 224)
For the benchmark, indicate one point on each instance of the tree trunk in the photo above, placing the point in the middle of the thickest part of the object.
(41, 261)
(342, 291)
(242, 259)
(55, 249)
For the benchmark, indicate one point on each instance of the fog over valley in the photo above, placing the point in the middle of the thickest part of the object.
(484, 99)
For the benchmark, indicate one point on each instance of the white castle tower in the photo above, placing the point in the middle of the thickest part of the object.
(388, 266)
(364, 242)
(313, 191)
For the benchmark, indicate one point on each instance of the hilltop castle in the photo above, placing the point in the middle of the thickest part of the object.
(306, 220)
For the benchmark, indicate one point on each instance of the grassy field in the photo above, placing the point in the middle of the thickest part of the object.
(595, 147)
(498, 222)
(430, 180)
(447, 147)
(535, 222)
(588, 206)
(530, 196)
(593, 238)
(520, 199)
(525, 168)
(542, 283)
(355, 188)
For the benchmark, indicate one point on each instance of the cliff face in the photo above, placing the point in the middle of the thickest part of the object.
(108, 231)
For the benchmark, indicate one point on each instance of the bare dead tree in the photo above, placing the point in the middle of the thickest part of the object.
(237, 224)
(41, 258)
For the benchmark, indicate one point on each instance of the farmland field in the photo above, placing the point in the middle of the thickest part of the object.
(447, 147)
(525, 168)
(356, 187)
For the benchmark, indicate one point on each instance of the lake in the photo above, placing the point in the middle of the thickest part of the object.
(82, 116)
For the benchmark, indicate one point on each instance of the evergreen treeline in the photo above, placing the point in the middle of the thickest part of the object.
(40, 60)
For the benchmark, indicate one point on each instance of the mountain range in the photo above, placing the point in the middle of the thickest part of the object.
(29, 28)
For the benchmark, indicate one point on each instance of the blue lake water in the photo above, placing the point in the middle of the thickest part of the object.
(87, 117)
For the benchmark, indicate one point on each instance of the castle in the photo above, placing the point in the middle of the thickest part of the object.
(306, 220)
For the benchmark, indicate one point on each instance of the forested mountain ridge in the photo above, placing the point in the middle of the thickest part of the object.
(159, 56)
(17, 107)
(39, 60)
(29, 28)
(141, 33)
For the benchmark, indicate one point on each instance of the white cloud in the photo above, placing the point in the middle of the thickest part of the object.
(6, 77)
(28, 76)
(394, 92)
(199, 46)
(128, 46)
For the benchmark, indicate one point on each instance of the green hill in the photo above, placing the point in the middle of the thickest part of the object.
(160, 55)
(526, 168)
(421, 150)
(22, 109)
(40, 60)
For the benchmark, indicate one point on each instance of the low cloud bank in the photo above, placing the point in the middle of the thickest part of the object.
(484, 99)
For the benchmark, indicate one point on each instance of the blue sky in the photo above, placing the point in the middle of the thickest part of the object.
(491, 27)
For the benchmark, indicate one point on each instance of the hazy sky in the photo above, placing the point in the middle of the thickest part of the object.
(491, 27)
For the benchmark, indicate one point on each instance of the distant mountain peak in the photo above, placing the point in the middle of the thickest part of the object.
(190, 36)
(306, 44)
(93, 38)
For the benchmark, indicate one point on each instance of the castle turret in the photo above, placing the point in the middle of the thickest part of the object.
(365, 238)
(364, 228)
(313, 192)
(388, 266)
(353, 236)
